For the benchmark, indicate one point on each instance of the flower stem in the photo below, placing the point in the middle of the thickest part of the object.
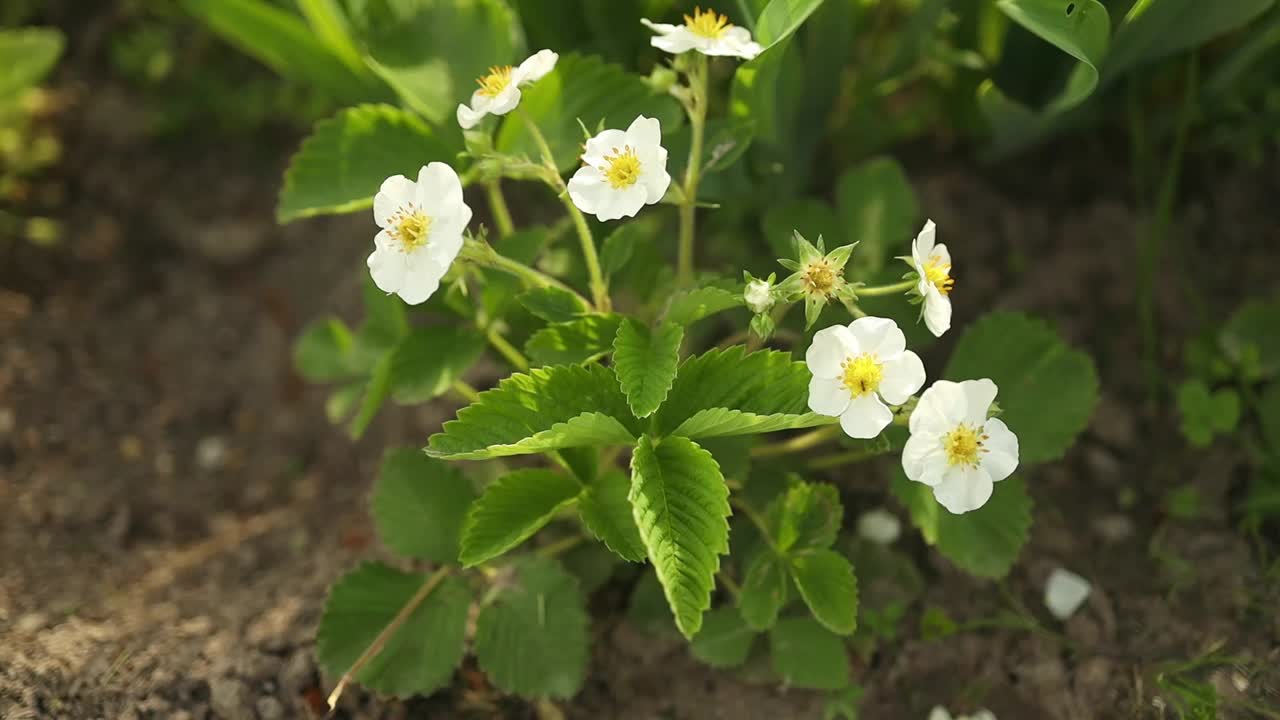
(826, 462)
(498, 205)
(798, 443)
(506, 349)
(697, 108)
(483, 255)
(893, 289)
(465, 391)
(560, 546)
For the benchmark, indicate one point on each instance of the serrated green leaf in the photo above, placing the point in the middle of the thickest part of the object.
(553, 304)
(420, 656)
(806, 517)
(878, 210)
(512, 509)
(721, 422)
(764, 590)
(808, 655)
(546, 409)
(984, 542)
(419, 505)
(427, 362)
(724, 640)
(341, 165)
(827, 584)
(645, 362)
(1047, 390)
(606, 512)
(681, 507)
(691, 306)
(532, 640)
(573, 342)
(321, 352)
(27, 55)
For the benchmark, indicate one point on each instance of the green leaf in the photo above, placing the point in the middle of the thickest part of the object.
(340, 167)
(754, 93)
(427, 362)
(512, 509)
(984, 542)
(532, 640)
(1206, 414)
(726, 142)
(588, 89)
(878, 210)
(419, 505)
(342, 402)
(691, 306)
(829, 588)
(1250, 339)
(806, 517)
(1269, 417)
(27, 55)
(1047, 390)
(375, 394)
(645, 362)
(724, 640)
(619, 245)
(1155, 29)
(764, 590)
(553, 304)
(681, 506)
(546, 409)
(810, 217)
(808, 655)
(606, 512)
(577, 341)
(321, 351)
(420, 656)
(731, 392)
(329, 22)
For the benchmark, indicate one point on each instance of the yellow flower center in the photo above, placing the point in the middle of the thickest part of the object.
(410, 228)
(624, 168)
(939, 274)
(963, 445)
(496, 81)
(708, 24)
(862, 374)
(820, 278)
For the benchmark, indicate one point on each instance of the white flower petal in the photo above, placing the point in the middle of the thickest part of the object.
(443, 248)
(978, 396)
(903, 375)
(658, 27)
(922, 248)
(829, 349)
(865, 417)
(644, 132)
(879, 526)
(421, 279)
(587, 188)
(940, 255)
(939, 713)
(983, 715)
(923, 458)
(941, 408)
(624, 203)
(1065, 592)
(387, 267)
(602, 146)
(468, 118)
(506, 100)
(828, 396)
(439, 192)
(1000, 458)
(737, 40)
(878, 336)
(534, 68)
(396, 192)
(937, 309)
(963, 489)
(677, 40)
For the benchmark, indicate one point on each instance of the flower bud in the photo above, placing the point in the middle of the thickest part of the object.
(759, 296)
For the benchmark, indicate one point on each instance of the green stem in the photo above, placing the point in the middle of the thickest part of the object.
(756, 520)
(560, 546)
(506, 349)
(482, 254)
(498, 205)
(693, 171)
(465, 391)
(798, 443)
(826, 462)
(893, 289)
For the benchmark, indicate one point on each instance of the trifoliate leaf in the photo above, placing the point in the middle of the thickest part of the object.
(827, 584)
(808, 655)
(984, 542)
(731, 392)
(878, 208)
(764, 590)
(807, 517)
(645, 362)
(553, 304)
(1205, 414)
(691, 306)
(1047, 390)
(419, 657)
(606, 512)
(576, 341)
(419, 505)
(428, 361)
(681, 507)
(532, 639)
(321, 353)
(546, 409)
(724, 640)
(511, 509)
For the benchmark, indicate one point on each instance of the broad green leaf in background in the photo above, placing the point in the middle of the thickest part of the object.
(806, 517)
(577, 341)
(619, 245)
(546, 409)
(1155, 29)
(586, 89)
(878, 210)
(1251, 341)
(808, 655)
(764, 590)
(681, 506)
(420, 656)
(726, 142)
(755, 82)
(512, 509)
(691, 306)
(645, 362)
(1205, 414)
(427, 362)
(321, 352)
(553, 304)
(27, 55)
(419, 505)
(606, 512)
(532, 639)
(340, 167)
(1047, 389)
(984, 542)
(724, 640)
(827, 584)
(375, 394)
(811, 217)
(328, 20)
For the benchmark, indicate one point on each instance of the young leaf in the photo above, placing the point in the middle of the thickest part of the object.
(321, 351)
(577, 341)
(532, 640)
(427, 362)
(606, 512)
(681, 506)
(1047, 390)
(691, 306)
(808, 655)
(827, 584)
(419, 657)
(419, 505)
(511, 509)
(806, 517)
(553, 304)
(546, 409)
(724, 640)
(645, 362)
(764, 590)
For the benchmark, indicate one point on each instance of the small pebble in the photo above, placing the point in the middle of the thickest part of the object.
(230, 698)
(211, 452)
(31, 622)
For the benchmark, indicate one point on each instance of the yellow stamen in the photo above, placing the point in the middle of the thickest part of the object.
(708, 24)
(963, 445)
(410, 227)
(939, 274)
(624, 168)
(862, 374)
(496, 81)
(820, 278)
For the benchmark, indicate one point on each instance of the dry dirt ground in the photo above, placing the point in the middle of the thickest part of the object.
(174, 504)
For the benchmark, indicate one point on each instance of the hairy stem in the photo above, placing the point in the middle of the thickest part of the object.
(893, 289)
(498, 205)
(506, 349)
(482, 254)
(798, 443)
(697, 108)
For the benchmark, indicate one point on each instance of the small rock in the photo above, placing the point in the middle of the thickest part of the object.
(230, 698)
(31, 622)
(270, 708)
(1065, 592)
(1114, 528)
(7, 421)
(211, 452)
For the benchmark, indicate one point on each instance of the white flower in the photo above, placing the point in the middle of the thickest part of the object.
(933, 265)
(707, 32)
(1065, 592)
(941, 713)
(955, 448)
(499, 91)
(422, 224)
(879, 526)
(758, 296)
(622, 171)
(857, 370)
